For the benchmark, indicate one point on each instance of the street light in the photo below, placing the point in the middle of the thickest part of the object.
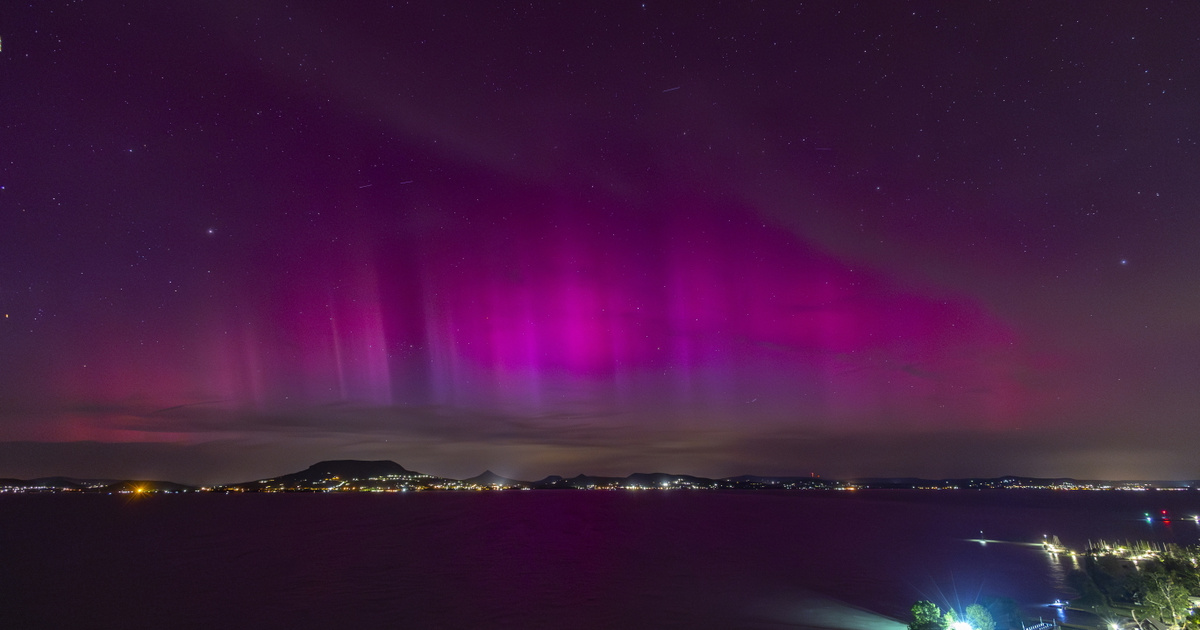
(961, 625)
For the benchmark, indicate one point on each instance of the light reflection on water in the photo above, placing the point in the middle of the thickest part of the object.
(825, 614)
(1058, 575)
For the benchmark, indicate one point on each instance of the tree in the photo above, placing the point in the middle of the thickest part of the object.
(980, 618)
(1168, 599)
(925, 616)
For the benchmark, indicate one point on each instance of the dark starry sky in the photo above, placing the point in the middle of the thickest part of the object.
(713, 238)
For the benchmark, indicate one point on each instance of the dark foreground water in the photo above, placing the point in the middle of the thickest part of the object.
(545, 559)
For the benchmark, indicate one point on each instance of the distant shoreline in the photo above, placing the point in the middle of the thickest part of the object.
(342, 476)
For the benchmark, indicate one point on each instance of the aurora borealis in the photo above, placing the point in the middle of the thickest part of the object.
(901, 239)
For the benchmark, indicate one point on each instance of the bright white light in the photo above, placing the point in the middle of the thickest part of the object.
(961, 625)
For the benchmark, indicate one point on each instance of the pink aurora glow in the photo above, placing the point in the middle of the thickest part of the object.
(697, 313)
(702, 318)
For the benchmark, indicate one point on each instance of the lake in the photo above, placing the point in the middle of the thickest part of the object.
(548, 559)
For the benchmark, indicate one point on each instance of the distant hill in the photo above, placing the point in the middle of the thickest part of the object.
(1012, 481)
(348, 474)
(758, 482)
(658, 480)
(489, 478)
(56, 483)
(63, 483)
(350, 469)
(666, 480)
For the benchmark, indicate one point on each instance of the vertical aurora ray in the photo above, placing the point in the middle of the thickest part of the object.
(702, 317)
(712, 316)
(710, 313)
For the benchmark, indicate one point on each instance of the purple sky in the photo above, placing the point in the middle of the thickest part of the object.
(887, 239)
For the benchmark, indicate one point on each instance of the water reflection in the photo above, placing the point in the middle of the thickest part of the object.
(827, 614)
(1058, 574)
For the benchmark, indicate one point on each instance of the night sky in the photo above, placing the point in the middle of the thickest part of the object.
(881, 238)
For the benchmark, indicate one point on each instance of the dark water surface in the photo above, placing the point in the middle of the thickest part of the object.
(546, 559)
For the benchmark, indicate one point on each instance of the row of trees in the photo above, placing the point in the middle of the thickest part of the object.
(928, 616)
